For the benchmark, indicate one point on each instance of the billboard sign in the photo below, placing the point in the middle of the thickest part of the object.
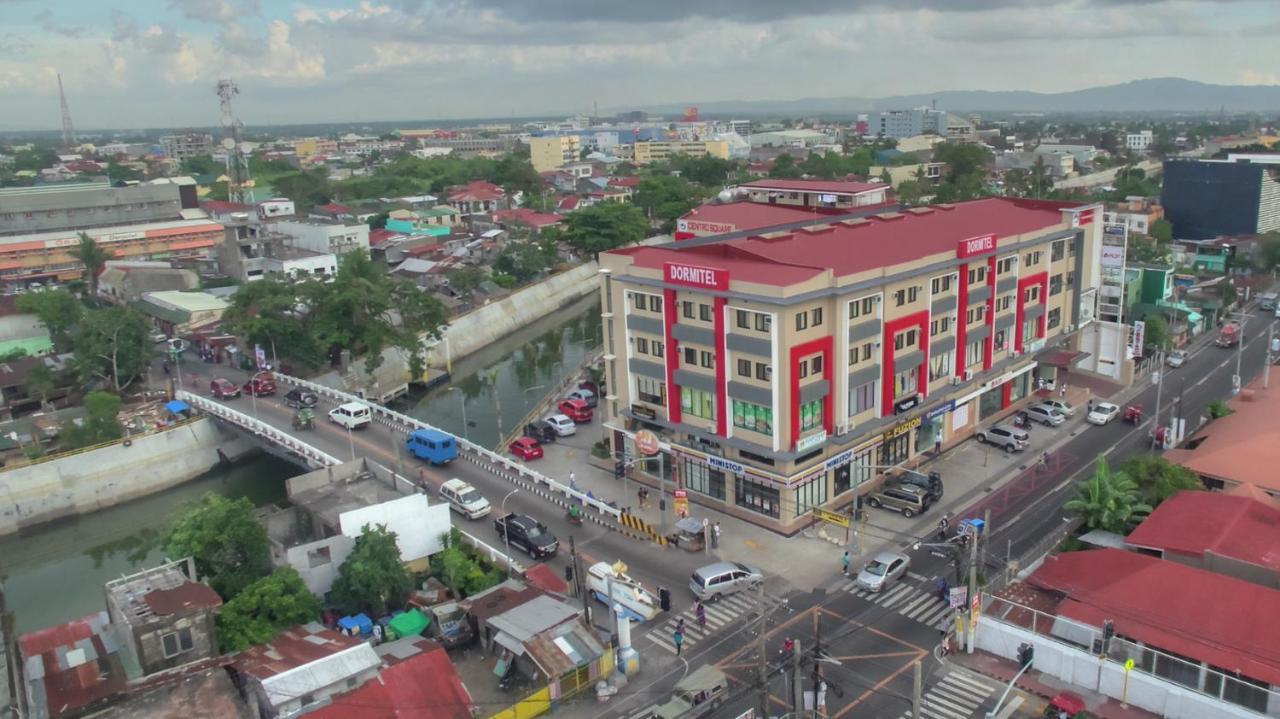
(703, 227)
(1136, 337)
(706, 278)
(976, 246)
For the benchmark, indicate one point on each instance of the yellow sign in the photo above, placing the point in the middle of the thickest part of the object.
(1128, 665)
(681, 502)
(901, 429)
(837, 519)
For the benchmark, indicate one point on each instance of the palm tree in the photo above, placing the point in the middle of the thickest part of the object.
(94, 258)
(1108, 500)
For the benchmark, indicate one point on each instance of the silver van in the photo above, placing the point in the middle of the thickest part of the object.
(721, 578)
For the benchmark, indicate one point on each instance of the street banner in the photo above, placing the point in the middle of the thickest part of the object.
(959, 597)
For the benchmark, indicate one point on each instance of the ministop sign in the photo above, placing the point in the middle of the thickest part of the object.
(646, 443)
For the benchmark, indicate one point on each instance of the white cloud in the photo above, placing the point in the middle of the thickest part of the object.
(1259, 77)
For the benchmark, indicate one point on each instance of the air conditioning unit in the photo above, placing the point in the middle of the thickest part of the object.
(1070, 328)
(968, 375)
(842, 429)
(1014, 353)
(955, 381)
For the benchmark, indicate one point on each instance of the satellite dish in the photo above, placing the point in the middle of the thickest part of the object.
(228, 143)
(246, 147)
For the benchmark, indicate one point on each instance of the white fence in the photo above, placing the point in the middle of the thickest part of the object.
(492, 461)
(316, 457)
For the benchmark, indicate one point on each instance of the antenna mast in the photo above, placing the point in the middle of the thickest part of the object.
(239, 185)
(68, 132)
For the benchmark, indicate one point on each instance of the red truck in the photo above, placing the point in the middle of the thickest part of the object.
(1229, 335)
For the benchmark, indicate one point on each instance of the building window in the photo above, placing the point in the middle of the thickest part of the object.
(863, 397)
(697, 403)
(1003, 302)
(655, 303)
(802, 321)
(756, 496)
(707, 360)
(905, 384)
(1055, 318)
(802, 369)
(816, 319)
(977, 275)
(1032, 294)
(942, 325)
(1029, 333)
(976, 314)
(1055, 285)
(1057, 250)
(1001, 341)
(744, 319)
(1033, 258)
(905, 340)
(658, 349)
(811, 494)
(940, 365)
(764, 372)
(175, 643)
(642, 346)
(815, 364)
(703, 479)
(1005, 265)
(651, 390)
(640, 301)
(810, 415)
(704, 313)
(861, 354)
(865, 306)
(753, 417)
(763, 322)
(744, 368)
(941, 284)
(691, 356)
(973, 353)
(688, 309)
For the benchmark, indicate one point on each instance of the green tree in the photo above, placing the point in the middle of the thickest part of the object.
(265, 608)
(37, 159)
(516, 174)
(1158, 478)
(202, 165)
(90, 254)
(117, 172)
(1162, 230)
(1155, 334)
(373, 577)
(57, 310)
(306, 189)
(605, 226)
(465, 280)
(1108, 500)
(113, 344)
(1269, 251)
(272, 313)
(459, 570)
(230, 547)
(785, 168)
(1142, 249)
(41, 381)
(100, 422)
(911, 191)
(1218, 409)
(666, 198)
(963, 159)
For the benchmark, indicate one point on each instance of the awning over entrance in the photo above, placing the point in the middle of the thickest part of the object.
(1061, 358)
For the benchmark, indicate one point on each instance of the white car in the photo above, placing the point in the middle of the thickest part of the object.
(464, 499)
(352, 415)
(1103, 413)
(1176, 358)
(562, 425)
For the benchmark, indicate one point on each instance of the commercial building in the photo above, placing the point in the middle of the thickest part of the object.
(1139, 141)
(45, 256)
(1204, 199)
(1136, 213)
(907, 123)
(181, 313)
(125, 282)
(549, 153)
(784, 371)
(720, 219)
(659, 150)
(817, 194)
(477, 197)
(90, 205)
(325, 236)
(790, 138)
(1223, 533)
(187, 145)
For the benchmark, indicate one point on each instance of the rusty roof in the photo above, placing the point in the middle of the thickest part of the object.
(188, 596)
(291, 649)
(71, 667)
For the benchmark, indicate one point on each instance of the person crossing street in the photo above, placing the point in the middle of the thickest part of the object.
(700, 612)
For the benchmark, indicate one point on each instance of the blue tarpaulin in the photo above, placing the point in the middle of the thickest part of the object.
(356, 625)
(177, 406)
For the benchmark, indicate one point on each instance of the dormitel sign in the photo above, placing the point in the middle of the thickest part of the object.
(703, 278)
(982, 245)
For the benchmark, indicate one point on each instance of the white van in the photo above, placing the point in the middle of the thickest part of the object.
(464, 499)
(352, 415)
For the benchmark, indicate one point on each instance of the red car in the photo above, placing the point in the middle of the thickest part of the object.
(526, 448)
(260, 386)
(575, 409)
(221, 388)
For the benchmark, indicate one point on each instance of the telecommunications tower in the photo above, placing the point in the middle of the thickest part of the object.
(68, 132)
(239, 184)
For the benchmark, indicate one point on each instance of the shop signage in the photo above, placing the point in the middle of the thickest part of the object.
(1112, 256)
(811, 441)
(959, 596)
(50, 244)
(1113, 229)
(640, 410)
(839, 460)
(976, 246)
(903, 405)
(725, 465)
(120, 236)
(681, 502)
(1137, 337)
(901, 428)
(940, 410)
(646, 443)
(709, 278)
(711, 228)
(1082, 218)
(831, 518)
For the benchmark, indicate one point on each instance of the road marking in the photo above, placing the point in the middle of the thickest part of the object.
(916, 603)
(958, 695)
(917, 577)
(720, 614)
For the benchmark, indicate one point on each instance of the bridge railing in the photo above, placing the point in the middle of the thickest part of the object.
(490, 460)
(258, 427)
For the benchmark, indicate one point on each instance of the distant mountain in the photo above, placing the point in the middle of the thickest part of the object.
(1163, 94)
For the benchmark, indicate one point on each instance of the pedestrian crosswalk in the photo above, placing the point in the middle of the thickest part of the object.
(958, 695)
(910, 600)
(734, 609)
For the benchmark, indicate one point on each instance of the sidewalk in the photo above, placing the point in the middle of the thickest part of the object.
(1046, 687)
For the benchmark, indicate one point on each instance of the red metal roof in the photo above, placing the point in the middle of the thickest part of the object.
(1232, 447)
(335, 208)
(64, 689)
(881, 241)
(568, 203)
(188, 595)
(526, 216)
(749, 215)
(1192, 522)
(291, 649)
(543, 577)
(830, 187)
(476, 191)
(624, 181)
(381, 236)
(1198, 614)
(424, 686)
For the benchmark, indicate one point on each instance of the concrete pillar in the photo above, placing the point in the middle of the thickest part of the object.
(628, 657)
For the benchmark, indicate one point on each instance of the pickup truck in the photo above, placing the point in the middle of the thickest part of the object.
(527, 534)
(697, 695)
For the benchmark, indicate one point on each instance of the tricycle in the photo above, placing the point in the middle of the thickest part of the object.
(1133, 414)
(1063, 705)
(304, 418)
(574, 515)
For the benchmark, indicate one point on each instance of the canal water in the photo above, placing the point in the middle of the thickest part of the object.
(55, 573)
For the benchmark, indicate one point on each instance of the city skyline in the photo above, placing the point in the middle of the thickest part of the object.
(154, 63)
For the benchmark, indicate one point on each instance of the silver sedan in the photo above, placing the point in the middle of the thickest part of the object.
(884, 569)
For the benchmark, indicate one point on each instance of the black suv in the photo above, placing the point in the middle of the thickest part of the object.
(540, 431)
(298, 397)
(528, 534)
(931, 484)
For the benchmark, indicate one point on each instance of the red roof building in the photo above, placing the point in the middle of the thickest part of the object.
(1231, 450)
(568, 204)
(423, 686)
(1217, 532)
(380, 237)
(303, 666)
(218, 208)
(72, 667)
(1200, 616)
(842, 195)
(477, 197)
(721, 219)
(525, 216)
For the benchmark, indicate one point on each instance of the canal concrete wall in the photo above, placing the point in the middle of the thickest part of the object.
(488, 324)
(84, 482)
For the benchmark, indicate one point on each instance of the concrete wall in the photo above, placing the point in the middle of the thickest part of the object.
(318, 570)
(492, 322)
(88, 481)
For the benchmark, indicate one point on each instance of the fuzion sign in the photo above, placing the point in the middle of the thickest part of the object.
(709, 278)
(976, 246)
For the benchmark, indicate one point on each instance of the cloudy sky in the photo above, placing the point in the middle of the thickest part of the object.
(153, 63)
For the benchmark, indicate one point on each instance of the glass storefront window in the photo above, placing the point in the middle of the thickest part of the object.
(810, 415)
(810, 494)
(697, 403)
(989, 402)
(753, 417)
(756, 496)
(1018, 386)
(896, 450)
(703, 479)
(929, 433)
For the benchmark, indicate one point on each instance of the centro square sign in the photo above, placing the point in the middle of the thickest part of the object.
(707, 278)
(976, 246)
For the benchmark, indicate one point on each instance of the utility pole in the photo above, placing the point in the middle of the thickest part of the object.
(797, 684)
(1239, 379)
(578, 586)
(762, 654)
(1155, 427)
(973, 582)
(917, 712)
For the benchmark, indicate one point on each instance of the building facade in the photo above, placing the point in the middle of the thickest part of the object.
(909, 123)
(817, 194)
(1139, 141)
(659, 150)
(1204, 199)
(187, 145)
(88, 205)
(549, 153)
(784, 372)
(325, 236)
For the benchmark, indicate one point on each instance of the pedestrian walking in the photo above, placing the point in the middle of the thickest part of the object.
(943, 525)
(715, 536)
(1090, 405)
(1044, 460)
(678, 637)
(165, 366)
(642, 495)
(700, 612)
(573, 484)
(844, 563)
(1063, 391)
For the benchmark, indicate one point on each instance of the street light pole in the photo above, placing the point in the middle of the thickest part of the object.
(462, 402)
(351, 440)
(506, 529)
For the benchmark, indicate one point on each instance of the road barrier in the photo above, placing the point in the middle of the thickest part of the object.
(637, 527)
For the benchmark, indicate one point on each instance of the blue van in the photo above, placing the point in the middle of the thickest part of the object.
(432, 445)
